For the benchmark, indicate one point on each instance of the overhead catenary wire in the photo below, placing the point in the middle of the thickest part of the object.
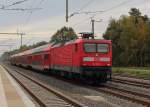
(116, 6)
(82, 8)
(100, 11)
(94, 13)
(7, 7)
(12, 4)
(15, 3)
(27, 20)
(30, 14)
(22, 9)
(18, 33)
(86, 5)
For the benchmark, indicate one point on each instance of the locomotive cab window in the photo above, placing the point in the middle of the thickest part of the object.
(103, 48)
(90, 47)
(93, 47)
(46, 56)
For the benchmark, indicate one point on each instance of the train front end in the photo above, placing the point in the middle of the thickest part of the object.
(96, 60)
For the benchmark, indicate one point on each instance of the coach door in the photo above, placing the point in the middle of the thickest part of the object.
(46, 60)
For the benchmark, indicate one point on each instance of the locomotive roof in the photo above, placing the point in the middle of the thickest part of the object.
(93, 40)
(82, 40)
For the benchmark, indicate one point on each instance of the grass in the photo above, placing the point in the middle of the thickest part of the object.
(133, 71)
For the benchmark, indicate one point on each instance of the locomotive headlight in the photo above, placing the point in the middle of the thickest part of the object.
(88, 59)
(105, 59)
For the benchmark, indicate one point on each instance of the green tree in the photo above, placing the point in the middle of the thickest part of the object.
(23, 48)
(130, 37)
(135, 12)
(37, 44)
(64, 34)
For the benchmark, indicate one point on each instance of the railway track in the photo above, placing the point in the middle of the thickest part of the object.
(43, 94)
(138, 98)
(131, 81)
(123, 93)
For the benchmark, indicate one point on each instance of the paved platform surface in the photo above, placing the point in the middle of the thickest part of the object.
(11, 94)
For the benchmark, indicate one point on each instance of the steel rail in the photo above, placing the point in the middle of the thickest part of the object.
(131, 82)
(135, 97)
(22, 85)
(127, 91)
(48, 88)
(129, 95)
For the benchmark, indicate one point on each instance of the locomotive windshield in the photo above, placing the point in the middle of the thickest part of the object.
(93, 47)
(103, 48)
(89, 47)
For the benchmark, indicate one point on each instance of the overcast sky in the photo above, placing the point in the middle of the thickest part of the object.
(39, 25)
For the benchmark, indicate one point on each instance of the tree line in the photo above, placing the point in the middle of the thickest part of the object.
(130, 37)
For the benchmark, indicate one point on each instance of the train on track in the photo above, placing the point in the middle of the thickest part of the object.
(87, 59)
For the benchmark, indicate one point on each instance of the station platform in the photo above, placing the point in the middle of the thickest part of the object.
(11, 94)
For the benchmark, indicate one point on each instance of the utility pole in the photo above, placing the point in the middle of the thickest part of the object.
(21, 34)
(21, 40)
(93, 25)
(66, 10)
(93, 21)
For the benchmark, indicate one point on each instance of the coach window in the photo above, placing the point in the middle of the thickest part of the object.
(90, 47)
(46, 56)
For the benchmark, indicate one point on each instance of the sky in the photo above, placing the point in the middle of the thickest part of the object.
(49, 16)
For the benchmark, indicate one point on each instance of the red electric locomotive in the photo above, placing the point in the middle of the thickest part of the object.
(88, 59)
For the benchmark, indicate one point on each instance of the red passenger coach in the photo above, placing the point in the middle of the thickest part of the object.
(88, 59)
(37, 58)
